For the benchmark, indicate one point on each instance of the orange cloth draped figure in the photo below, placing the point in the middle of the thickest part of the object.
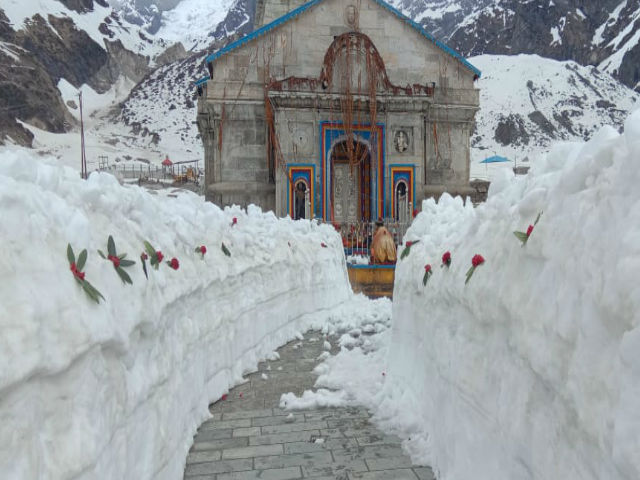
(383, 249)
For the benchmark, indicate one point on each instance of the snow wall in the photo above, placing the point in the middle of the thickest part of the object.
(532, 370)
(116, 390)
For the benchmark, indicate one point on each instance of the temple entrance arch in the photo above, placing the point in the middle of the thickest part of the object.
(350, 182)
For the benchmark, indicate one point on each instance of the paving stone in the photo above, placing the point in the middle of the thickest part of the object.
(208, 435)
(303, 436)
(300, 459)
(388, 463)
(334, 470)
(279, 420)
(424, 473)
(221, 444)
(217, 425)
(401, 474)
(265, 412)
(327, 444)
(293, 427)
(246, 431)
(203, 456)
(271, 474)
(219, 467)
(375, 451)
(252, 451)
(378, 440)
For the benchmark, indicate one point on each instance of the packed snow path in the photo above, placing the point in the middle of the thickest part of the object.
(250, 437)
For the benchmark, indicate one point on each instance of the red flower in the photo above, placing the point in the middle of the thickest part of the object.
(75, 271)
(174, 263)
(115, 260)
(529, 230)
(408, 244)
(224, 396)
(446, 258)
(427, 268)
(323, 245)
(234, 221)
(144, 256)
(159, 256)
(203, 249)
(477, 260)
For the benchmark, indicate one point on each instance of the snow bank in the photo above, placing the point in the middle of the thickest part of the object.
(116, 390)
(532, 370)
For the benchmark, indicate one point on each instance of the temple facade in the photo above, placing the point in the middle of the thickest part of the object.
(344, 110)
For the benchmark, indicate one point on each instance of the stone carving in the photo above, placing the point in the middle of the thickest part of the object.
(351, 16)
(401, 141)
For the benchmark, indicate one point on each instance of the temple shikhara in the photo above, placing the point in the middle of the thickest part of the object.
(341, 110)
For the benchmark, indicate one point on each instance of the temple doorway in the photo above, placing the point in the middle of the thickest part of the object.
(351, 183)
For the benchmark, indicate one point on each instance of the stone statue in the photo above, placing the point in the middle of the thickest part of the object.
(401, 141)
(351, 15)
(383, 249)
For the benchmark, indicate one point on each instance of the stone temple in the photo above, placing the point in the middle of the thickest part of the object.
(342, 110)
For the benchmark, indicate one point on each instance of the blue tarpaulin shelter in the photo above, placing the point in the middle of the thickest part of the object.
(495, 159)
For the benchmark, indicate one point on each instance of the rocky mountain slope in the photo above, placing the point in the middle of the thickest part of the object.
(528, 102)
(605, 33)
(84, 42)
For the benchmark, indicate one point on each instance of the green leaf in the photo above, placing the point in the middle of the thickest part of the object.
(425, 279)
(197, 250)
(94, 294)
(537, 219)
(153, 260)
(469, 273)
(70, 256)
(407, 249)
(150, 250)
(127, 263)
(78, 280)
(123, 256)
(144, 269)
(101, 253)
(82, 259)
(225, 250)
(521, 236)
(111, 246)
(124, 276)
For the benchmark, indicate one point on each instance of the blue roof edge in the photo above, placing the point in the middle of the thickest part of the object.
(438, 43)
(201, 81)
(262, 30)
(297, 11)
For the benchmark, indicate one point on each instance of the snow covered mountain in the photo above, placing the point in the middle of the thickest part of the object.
(528, 102)
(605, 33)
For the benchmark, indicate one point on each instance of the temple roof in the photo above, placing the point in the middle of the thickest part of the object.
(297, 11)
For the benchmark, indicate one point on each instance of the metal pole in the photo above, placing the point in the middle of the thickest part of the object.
(83, 156)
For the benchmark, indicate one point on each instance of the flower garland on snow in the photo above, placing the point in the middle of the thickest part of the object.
(78, 274)
(476, 261)
(524, 237)
(427, 274)
(119, 261)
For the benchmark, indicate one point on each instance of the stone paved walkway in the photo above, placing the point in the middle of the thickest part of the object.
(250, 437)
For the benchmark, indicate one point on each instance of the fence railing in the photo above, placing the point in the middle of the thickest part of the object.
(179, 173)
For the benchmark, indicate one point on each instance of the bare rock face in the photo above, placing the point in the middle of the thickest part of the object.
(172, 54)
(44, 50)
(511, 130)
